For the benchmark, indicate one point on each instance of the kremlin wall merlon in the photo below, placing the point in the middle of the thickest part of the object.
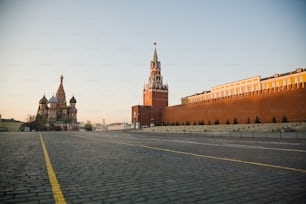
(278, 98)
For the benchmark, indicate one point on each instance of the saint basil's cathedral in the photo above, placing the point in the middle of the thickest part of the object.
(56, 113)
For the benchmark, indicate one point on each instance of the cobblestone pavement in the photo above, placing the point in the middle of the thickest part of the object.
(131, 167)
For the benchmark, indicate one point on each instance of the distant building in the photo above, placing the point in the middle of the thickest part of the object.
(56, 112)
(118, 126)
(10, 125)
(278, 98)
(275, 83)
(100, 127)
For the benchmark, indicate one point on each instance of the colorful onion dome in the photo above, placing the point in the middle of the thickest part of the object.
(53, 100)
(73, 100)
(43, 100)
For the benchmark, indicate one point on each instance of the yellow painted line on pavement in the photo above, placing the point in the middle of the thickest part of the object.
(56, 188)
(227, 159)
(216, 158)
(202, 156)
(224, 145)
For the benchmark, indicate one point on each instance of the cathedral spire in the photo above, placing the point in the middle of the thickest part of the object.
(60, 95)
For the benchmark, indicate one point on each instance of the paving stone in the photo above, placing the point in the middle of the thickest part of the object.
(99, 168)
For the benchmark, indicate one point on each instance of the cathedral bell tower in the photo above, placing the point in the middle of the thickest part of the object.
(155, 93)
(61, 97)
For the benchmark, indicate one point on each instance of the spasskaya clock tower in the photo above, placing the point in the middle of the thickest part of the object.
(155, 98)
(155, 93)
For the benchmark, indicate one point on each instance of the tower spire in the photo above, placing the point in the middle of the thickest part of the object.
(60, 95)
(155, 85)
(155, 58)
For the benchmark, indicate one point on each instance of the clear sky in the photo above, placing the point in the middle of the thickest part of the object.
(104, 48)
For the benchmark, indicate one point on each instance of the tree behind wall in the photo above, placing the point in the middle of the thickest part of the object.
(235, 121)
(88, 126)
(257, 119)
(274, 119)
(284, 119)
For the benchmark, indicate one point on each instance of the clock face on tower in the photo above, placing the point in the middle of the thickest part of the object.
(157, 78)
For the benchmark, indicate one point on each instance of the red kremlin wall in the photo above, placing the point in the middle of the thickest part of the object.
(290, 103)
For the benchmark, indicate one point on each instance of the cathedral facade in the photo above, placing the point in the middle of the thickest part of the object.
(56, 113)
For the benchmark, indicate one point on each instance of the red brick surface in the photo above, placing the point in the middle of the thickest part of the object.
(265, 105)
(288, 103)
(155, 98)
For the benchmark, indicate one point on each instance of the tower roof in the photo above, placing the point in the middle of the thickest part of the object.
(73, 100)
(52, 100)
(43, 100)
(61, 87)
(60, 94)
(155, 58)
